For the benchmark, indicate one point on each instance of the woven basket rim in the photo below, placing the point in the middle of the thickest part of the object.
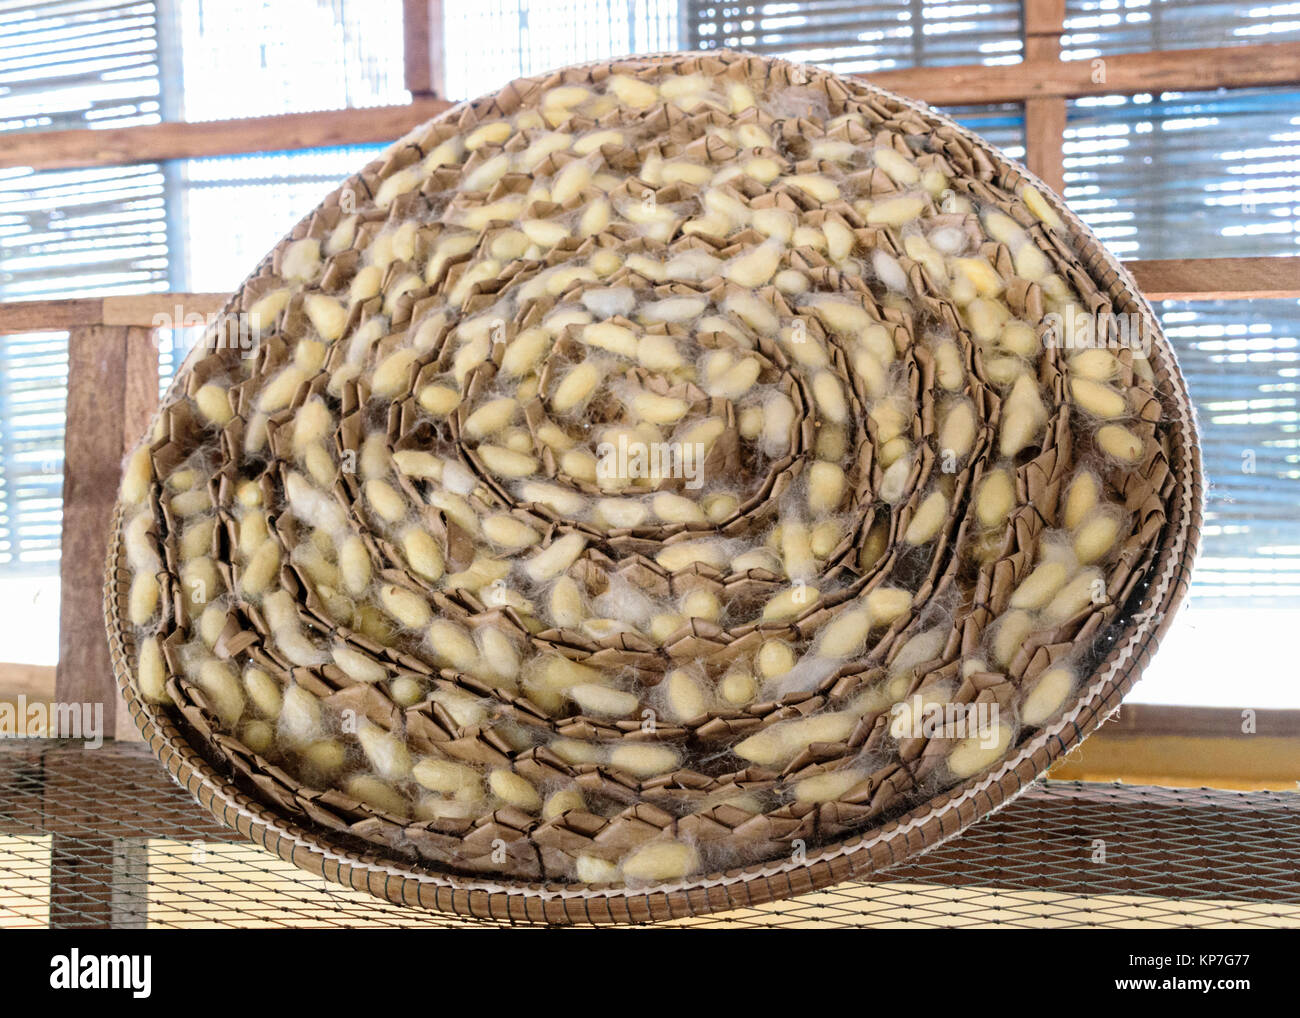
(863, 854)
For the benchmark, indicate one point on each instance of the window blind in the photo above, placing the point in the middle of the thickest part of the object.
(491, 42)
(1100, 27)
(33, 395)
(859, 37)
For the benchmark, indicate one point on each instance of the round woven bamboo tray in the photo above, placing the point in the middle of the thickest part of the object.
(1150, 598)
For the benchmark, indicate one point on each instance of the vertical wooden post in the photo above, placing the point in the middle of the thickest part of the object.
(112, 389)
(1045, 118)
(423, 47)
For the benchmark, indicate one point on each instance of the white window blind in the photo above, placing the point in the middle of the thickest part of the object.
(491, 42)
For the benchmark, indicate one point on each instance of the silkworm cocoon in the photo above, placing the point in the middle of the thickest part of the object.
(576, 387)
(1019, 338)
(886, 604)
(829, 394)
(263, 692)
(262, 569)
(658, 353)
(782, 742)
(557, 499)
(702, 604)
(721, 507)
(846, 633)
(282, 616)
(563, 801)
(446, 776)
(673, 508)
(199, 581)
(928, 520)
(211, 622)
(1040, 586)
(264, 311)
(774, 658)
(365, 284)
(439, 400)
(514, 789)
(895, 211)
(407, 607)
(137, 477)
(406, 691)
(736, 380)
(213, 403)
(643, 759)
(826, 484)
(301, 259)
(979, 752)
(986, 318)
(1094, 539)
(1012, 629)
(827, 787)
(949, 369)
(385, 500)
(498, 655)
(221, 686)
(556, 558)
(957, 435)
(386, 752)
(1117, 441)
(490, 418)
(664, 624)
(151, 671)
(778, 416)
(593, 698)
(1081, 498)
(661, 860)
(354, 564)
(196, 538)
(257, 736)
(1037, 204)
(1094, 365)
(301, 716)
(592, 869)
(658, 409)
(685, 696)
(570, 181)
(453, 646)
(796, 550)
(791, 602)
(325, 756)
(507, 532)
(248, 494)
(840, 240)
(894, 480)
(1046, 695)
(506, 462)
(524, 352)
(684, 554)
(357, 665)
(1085, 589)
(376, 793)
(638, 95)
(189, 503)
(326, 314)
(280, 390)
(1098, 398)
(1023, 416)
(756, 267)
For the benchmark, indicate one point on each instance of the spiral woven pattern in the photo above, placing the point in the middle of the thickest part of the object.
(652, 470)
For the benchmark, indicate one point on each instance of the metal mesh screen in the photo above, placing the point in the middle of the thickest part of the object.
(101, 838)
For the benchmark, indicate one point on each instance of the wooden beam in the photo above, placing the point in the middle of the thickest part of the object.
(147, 143)
(1218, 278)
(1045, 116)
(1198, 70)
(422, 39)
(112, 386)
(1169, 70)
(132, 309)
